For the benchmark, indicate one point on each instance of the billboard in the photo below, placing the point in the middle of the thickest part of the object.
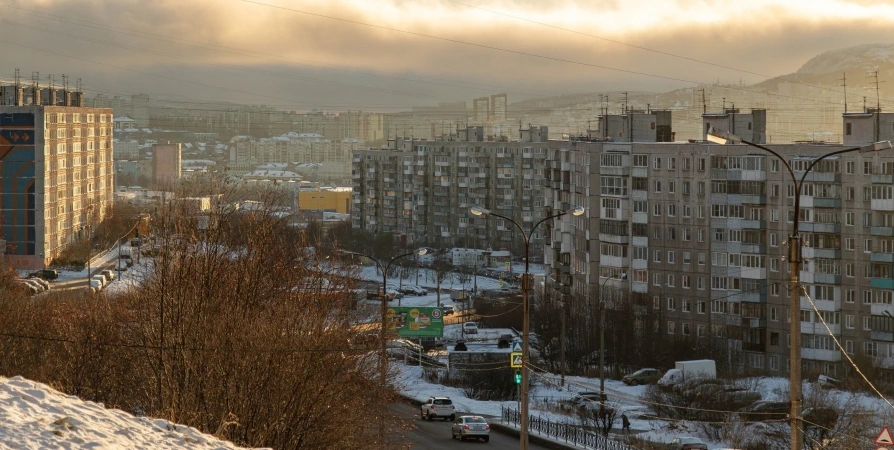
(416, 322)
(17, 183)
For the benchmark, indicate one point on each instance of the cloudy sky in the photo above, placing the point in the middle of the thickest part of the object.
(387, 54)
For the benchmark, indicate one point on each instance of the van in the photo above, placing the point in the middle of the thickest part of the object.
(100, 280)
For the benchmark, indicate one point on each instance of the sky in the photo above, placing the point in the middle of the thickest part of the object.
(394, 54)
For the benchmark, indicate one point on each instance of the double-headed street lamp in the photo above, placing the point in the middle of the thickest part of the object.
(526, 325)
(794, 256)
(383, 366)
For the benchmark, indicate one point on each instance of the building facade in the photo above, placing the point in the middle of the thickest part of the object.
(700, 230)
(166, 164)
(56, 178)
(423, 189)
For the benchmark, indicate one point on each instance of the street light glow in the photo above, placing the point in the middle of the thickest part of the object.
(479, 211)
(875, 147)
(722, 137)
(576, 211)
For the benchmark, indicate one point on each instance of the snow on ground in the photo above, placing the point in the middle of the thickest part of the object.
(427, 280)
(34, 416)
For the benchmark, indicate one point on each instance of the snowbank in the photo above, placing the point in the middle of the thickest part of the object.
(34, 416)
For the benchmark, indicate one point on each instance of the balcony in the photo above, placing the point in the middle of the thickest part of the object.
(726, 319)
(753, 297)
(812, 227)
(818, 328)
(640, 287)
(614, 261)
(640, 264)
(754, 224)
(754, 347)
(640, 217)
(822, 305)
(640, 241)
(821, 355)
(882, 231)
(754, 199)
(881, 283)
(639, 195)
(886, 336)
(752, 322)
(882, 205)
(611, 238)
(882, 178)
(615, 171)
(878, 309)
(754, 273)
(830, 253)
(821, 177)
(640, 172)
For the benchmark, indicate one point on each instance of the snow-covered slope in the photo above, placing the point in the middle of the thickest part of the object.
(859, 57)
(34, 416)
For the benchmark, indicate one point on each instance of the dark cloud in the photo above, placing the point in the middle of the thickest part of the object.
(259, 54)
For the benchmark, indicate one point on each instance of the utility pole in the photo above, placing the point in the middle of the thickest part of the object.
(844, 85)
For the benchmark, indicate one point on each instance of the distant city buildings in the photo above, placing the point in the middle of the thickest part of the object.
(423, 189)
(310, 154)
(166, 164)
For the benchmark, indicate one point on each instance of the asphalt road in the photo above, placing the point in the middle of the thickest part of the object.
(435, 435)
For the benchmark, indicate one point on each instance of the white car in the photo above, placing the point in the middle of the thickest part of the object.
(438, 407)
(470, 427)
(470, 328)
(688, 443)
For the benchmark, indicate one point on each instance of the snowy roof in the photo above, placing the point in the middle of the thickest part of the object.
(123, 119)
(34, 416)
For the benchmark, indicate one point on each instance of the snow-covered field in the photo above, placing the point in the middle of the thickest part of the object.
(34, 416)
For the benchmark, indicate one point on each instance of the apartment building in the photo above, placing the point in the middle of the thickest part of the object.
(56, 177)
(700, 230)
(331, 158)
(423, 189)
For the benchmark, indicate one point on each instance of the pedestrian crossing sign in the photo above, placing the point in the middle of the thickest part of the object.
(515, 360)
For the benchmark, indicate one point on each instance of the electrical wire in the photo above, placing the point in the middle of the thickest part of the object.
(838, 344)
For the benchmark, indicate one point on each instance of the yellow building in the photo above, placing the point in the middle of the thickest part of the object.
(336, 199)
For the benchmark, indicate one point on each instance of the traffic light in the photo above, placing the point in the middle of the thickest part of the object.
(518, 377)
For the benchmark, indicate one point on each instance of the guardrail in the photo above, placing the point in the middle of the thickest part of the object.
(562, 431)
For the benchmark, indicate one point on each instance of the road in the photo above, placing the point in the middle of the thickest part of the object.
(435, 435)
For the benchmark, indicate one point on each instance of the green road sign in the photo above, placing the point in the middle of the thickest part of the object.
(415, 322)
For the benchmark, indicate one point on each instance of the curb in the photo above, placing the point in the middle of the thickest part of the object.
(511, 431)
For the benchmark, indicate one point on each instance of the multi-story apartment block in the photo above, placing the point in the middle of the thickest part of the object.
(424, 189)
(332, 158)
(700, 230)
(56, 177)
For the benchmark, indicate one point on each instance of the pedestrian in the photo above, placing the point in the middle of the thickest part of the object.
(625, 422)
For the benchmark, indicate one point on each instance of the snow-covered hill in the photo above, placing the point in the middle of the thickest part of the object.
(856, 58)
(34, 416)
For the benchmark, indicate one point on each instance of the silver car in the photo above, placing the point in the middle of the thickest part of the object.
(470, 427)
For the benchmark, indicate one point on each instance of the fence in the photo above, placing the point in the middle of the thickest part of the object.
(562, 431)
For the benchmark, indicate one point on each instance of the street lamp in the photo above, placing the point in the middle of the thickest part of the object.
(526, 320)
(602, 342)
(794, 256)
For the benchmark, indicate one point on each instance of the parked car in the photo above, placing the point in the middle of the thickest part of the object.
(44, 284)
(470, 328)
(505, 340)
(642, 376)
(33, 282)
(100, 279)
(46, 274)
(438, 407)
(470, 427)
(449, 310)
(96, 283)
(764, 410)
(688, 443)
(110, 274)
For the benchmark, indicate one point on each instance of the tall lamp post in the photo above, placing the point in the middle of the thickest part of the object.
(794, 257)
(602, 342)
(383, 366)
(526, 319)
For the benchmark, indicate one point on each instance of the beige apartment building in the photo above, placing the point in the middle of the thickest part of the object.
(166, 164)
(699, 230)
(56, 177)
(423, 189)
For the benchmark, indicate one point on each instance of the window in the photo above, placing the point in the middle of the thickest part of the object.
(849, 296)
(656, 210)
(867, 165)
(774, 290)
(774, 339)
(702, 259)
(774, 360)
(613, 185)
(774, 265)
(686, 258)
(849, 347)
(700, 331)
(640, 253)
(671, 304)
(611, 208)
(867, 298)
(671, 327)
(657, 186)
(657, 256)
(656, 279)
(687, 211)
(849, 167)
(849, 321)
(849, 219)
(641, 276)
(700, 187)
(671, 257)
(687, 188)
(685, 329)
(640, 206)
(774, 165)
(867, 323)
(849, 193)
(671, 187)
(687, 234)
(701, 283)
(656, 163)
(849, 270)
(685, 306)
(671, 210)
(701, 235)
(685, 280)
(701, 164)
(640, 160)
(870, 348)
(774, 314)
(774, 190)
(702, 307)
(867, 245)
(701, 211)
(672, 164)
(849, 244)
(671, 280)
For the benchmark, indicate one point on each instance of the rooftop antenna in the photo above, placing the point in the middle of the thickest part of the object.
(626, 106)
(65, 82)
(35, 80)
(17, 78)
(52, 83)
(844, 85)
(79, 85)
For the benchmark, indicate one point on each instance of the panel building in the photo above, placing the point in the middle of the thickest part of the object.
(56, 177)
(423, 189)
(699, 230)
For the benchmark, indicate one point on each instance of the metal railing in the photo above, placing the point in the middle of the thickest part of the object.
(562, 431)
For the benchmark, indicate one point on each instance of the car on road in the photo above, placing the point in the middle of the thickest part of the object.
(688, 443)
(642, 376)
(441, 407)
(764, 410)
(46, 274)
(110, 274)
(470, 427)
(470, 328)
(449, 310)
